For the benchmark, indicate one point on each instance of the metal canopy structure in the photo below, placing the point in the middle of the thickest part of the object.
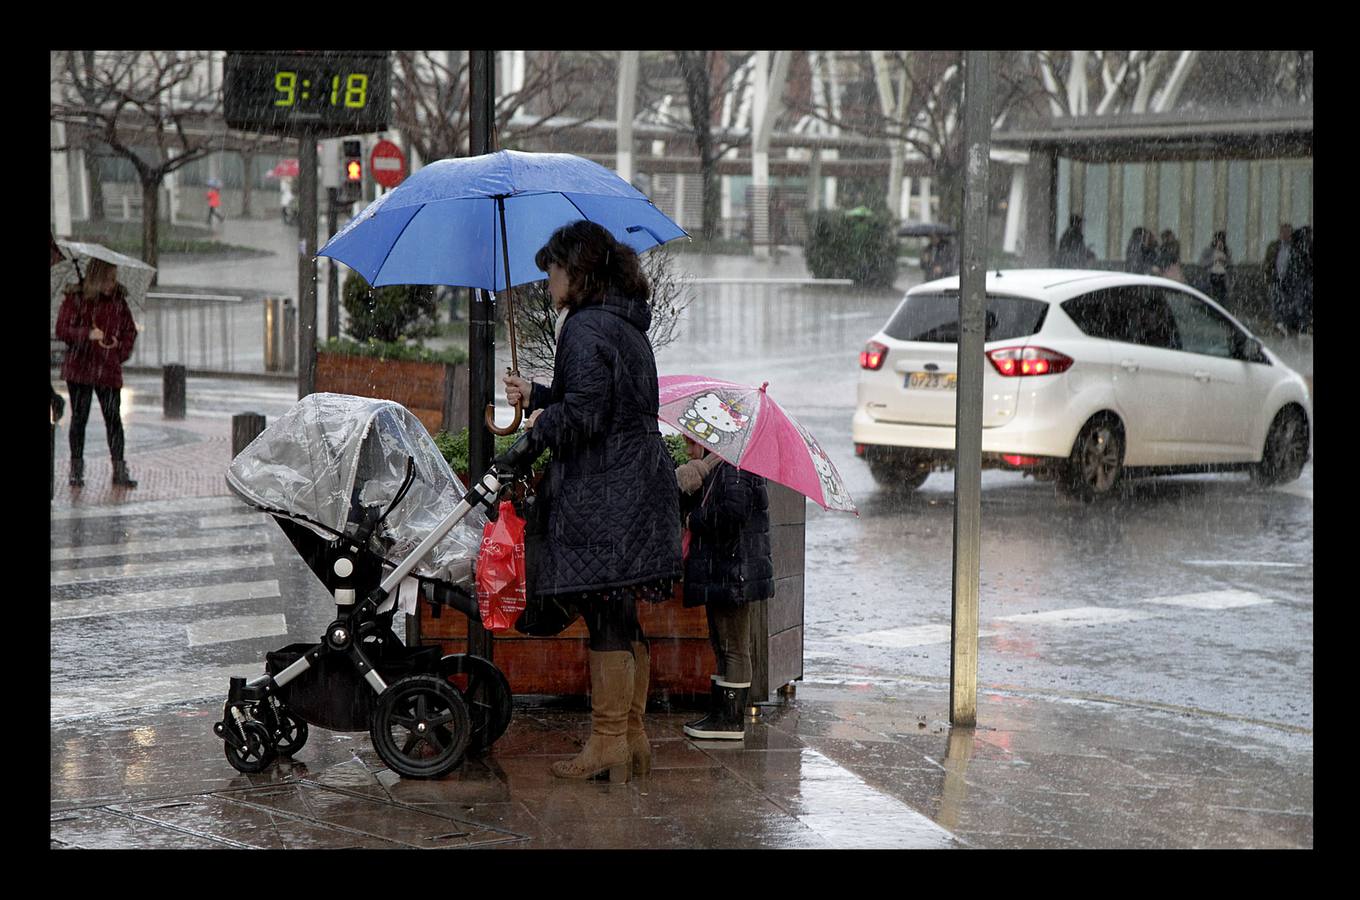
(1279, 132)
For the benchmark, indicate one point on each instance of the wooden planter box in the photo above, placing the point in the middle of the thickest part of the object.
(436, 392)
(682, 658)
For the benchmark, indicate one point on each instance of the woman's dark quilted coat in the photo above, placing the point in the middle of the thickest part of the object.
(613, 508)
(729, 560)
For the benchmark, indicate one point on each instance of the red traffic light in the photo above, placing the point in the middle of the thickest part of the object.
(354, 170)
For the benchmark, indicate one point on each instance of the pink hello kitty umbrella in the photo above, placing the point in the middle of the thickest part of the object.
(745, 427)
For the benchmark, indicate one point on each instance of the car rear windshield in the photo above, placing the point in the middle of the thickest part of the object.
(934, 318)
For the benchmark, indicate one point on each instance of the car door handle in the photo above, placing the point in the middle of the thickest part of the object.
(1201, 375)
(1129, 365)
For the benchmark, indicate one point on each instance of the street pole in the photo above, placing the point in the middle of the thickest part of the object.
(977, 123)
(306, 358)
(481, 307)
(332, 269)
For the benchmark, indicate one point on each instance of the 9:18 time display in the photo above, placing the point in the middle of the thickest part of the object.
(308, 87)
(297, 92)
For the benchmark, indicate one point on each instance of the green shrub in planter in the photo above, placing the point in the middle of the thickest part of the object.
(387, 313)
(391, 350)
(859, 244)
(454, 447)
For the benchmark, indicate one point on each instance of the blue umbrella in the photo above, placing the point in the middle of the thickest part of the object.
(468, 221)
(478, 222)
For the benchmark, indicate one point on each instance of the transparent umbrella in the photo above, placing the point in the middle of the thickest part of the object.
(133, 274)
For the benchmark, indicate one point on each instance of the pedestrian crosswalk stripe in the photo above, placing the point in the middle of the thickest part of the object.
(160, 569)
(244, 537)
(96, 696)
(1244, 562)
(233, 521)
(1079, 615)
(140, 601)
(235, 628)
(1305, 493)
(1213, 600)
(911, 636)
(152, 507)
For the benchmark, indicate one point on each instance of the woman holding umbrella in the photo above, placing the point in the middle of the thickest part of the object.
(613, 535)
(97, 326)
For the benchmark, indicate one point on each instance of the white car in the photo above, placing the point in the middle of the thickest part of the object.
(1091, 376)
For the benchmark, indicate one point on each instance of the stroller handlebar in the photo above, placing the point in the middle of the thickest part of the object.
(518, 458)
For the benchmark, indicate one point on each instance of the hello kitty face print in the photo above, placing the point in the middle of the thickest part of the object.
(833, 489)
(710, 418)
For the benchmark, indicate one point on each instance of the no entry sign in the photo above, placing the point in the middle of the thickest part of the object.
(387, 164)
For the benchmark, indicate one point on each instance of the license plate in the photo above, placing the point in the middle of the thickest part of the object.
(932, 381)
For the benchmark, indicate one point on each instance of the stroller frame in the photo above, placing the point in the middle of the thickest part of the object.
(257, 726)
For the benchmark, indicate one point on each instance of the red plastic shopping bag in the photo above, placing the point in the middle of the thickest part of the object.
(500, 570)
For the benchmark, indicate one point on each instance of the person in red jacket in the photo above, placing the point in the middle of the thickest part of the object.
(215, 205)
(97, 326)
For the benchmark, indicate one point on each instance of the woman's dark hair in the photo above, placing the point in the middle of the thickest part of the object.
(596, 264)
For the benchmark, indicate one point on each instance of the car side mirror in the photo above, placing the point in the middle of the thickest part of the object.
(1250, 349)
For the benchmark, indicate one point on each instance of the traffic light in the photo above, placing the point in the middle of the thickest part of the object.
(351, 171)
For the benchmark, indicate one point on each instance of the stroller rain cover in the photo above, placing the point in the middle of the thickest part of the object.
(332, 454)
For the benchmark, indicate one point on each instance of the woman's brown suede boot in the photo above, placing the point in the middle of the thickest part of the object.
(611, 693)
(638, 744)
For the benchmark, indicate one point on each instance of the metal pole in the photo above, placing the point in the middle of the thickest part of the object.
(977, 123)
(481, 306)
(333, 272)
(306, 332)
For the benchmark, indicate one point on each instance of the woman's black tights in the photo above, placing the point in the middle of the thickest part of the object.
(109, 404)
(612, 622)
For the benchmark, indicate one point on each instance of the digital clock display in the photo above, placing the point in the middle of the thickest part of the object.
(296, 92)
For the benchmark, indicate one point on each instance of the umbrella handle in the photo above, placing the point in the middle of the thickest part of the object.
(496, 429)
(519, 412)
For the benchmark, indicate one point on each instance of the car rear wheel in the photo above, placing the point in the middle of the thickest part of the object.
(1286, 449)
(895, 471)
(1096, 462)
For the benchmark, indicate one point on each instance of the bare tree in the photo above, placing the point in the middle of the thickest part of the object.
(933, 121)
(147, 101)
(536, 322)
(430, 97)
(709, 79)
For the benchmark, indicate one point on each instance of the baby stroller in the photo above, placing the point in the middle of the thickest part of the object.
(360, 489)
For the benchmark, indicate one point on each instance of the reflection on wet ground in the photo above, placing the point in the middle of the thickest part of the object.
(840, 766)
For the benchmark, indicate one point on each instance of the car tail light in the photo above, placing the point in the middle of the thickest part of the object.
(873, 355)
(1014, 361)
(1017, 460)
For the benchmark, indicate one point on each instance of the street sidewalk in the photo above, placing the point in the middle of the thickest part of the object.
(867, 762)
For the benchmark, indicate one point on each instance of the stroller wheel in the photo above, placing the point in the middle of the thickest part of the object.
(255, 754)
(486, 692)
(290, 733)
(420, 726)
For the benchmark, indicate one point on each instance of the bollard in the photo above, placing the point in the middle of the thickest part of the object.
(173, 391)
(245, 427)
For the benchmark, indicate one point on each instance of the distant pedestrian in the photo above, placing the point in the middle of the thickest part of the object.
(214, 204)
(1298, 281)
(1215, 260)
(944, 260)
(1072, 250)
(1274, 266)
(1140, 256)
(1169, 257)
(728, 567)
(287, 203)
(97, 326)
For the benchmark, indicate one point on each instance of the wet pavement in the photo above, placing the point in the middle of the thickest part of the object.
(839, 766)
